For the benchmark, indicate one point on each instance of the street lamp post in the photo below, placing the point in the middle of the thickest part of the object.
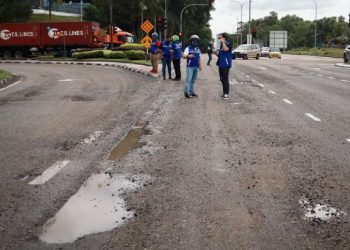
(315, 22)
(241, 4)
(81, 10)
(250, 14)
(184, 8)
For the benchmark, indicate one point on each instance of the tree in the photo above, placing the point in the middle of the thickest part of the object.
(15, 11)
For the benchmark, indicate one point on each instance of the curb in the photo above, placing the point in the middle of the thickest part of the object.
(6, 80)
(343, 65)
(110, 64)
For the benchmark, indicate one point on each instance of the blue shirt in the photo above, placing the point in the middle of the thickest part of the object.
(225, 57)
(177, 47)
(166, 47)
(154, 46)
(195, 60)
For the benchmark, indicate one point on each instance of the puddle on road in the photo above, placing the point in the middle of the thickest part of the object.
(96, 207)
(319, 212)
(130, 142)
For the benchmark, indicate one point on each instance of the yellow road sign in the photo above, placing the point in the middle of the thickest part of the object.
(147, 26)
(146, 41)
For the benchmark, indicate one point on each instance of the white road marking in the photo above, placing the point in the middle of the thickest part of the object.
(330, 77)
(70, 80)
(247, 76)
(287, 101)
(348, 140)
(320, 75)
(262, 68)
(317, 69)
(92, 137)
(313, 117)
(49, 173)
(261, 85)
(12, 85)
(272, 92)
(344, 80)
(253, 80)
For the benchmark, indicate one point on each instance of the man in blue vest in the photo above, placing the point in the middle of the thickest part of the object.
(154, 52)
(166, 47)
(225, 63)
(177, 54)
(193, 55)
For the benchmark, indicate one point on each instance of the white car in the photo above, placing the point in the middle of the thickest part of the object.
(246, 51)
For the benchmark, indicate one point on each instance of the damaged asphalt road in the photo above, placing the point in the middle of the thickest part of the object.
(117, 160)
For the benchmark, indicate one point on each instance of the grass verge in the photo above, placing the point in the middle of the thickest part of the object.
(4, 75)
(326, 52)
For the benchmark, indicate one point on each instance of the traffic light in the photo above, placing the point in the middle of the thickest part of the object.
(254, 32)
(210, 2)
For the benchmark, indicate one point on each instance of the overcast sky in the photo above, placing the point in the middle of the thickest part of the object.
(226, 11)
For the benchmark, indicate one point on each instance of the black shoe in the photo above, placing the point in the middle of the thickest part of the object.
(176, 79)
(194, 95)
(187, 96)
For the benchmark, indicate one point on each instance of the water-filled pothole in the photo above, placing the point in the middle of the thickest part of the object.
(96, 207)
(130, 142)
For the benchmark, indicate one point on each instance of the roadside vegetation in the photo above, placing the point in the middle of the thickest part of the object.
(40, 18)
(327, 52)
(4, 75)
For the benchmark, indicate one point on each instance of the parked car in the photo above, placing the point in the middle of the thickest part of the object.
(346, 55)
(246, 51)
(265, 52)
(275, 53)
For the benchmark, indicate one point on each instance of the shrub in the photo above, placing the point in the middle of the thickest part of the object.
(135, 54)
(132, 46)
(113, 54)
(88, 54)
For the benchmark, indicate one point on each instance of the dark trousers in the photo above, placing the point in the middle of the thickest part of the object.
(166, 62)
(210, 57)
(224, 79)
(176, 63)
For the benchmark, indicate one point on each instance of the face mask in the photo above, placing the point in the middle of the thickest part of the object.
(195, 43)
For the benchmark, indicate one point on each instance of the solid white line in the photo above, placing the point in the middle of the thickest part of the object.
(287, 101)
(272, 92)
(330, 77)
(12, 85)
(261, 85)
(344, 80)
(313, 117)
(49, 173)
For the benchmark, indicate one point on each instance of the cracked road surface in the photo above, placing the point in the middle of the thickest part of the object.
(236, 174)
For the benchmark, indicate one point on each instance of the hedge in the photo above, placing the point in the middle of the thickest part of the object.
(135, 54)
(132, 46)
(88, 54)
(113, 54)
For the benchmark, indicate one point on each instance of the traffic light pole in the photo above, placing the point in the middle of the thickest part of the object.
(165, 16)
(195, 4)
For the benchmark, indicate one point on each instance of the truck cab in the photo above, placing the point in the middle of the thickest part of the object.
(119, 38)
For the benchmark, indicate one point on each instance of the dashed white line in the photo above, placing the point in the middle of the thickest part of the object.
(262, 68)
(247, 76)
(344, 80)
(287, 101)
(317, 69)
(49, 173)
(261, 85)
(313, 117)
(253, 80)
(330, 77)
(320, 75)
(348, 140)
(272, 92)
(12, 85)
(70, 80)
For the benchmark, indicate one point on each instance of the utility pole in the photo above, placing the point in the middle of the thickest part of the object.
(165, 16)
(241, 4)
(250, 14)
(111, 22)
(315, 23)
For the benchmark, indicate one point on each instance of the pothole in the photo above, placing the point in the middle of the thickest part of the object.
(130, 142)
(319, 213)
(80, 98)
(96, 207)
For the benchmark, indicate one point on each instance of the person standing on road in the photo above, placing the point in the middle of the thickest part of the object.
(166, 47)
(154, 53)
(193, 55)
(210, 52)
(225, 63)
(177, 54)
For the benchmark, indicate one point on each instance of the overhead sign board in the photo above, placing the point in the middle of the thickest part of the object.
(279, 39)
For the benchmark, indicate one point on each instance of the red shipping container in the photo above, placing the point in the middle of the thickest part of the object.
(72, 34)
(19, 34)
